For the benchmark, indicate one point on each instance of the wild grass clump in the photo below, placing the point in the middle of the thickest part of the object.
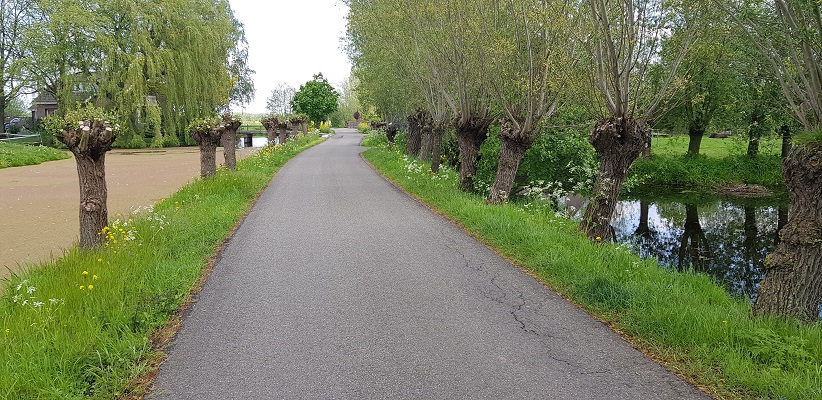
(682, 318)
(79, 326)
(18, 155)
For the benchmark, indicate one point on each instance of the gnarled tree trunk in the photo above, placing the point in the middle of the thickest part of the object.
(437, 133)
(229, 140)
(427, 145)
(793, 273)
(471, 131)
(282, 127)
(513, 145)
(270, 125)
(208, 141)
(412, 146)
(618, 141)
(695, 135)
(89, 144)
(391, 134)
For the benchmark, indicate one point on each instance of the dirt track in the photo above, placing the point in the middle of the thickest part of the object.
(39, 203)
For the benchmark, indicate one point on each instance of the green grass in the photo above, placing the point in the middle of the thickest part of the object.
(685, 319)
(18, 155)
(79, 326)
(720, 162)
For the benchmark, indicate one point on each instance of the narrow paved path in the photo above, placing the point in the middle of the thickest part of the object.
(339, 286)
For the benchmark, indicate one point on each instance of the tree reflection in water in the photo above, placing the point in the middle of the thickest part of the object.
(727, 239)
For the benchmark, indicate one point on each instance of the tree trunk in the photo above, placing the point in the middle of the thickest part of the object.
(3, 113)
(427, 141)
(756, 129)
(792, 286)
(786, 140)
(471, 132)
(753, 147)
(271, 134)
(208, 158)
(618, 143)
(283, 128)
(695, 135)
(412, 146)
(513, 145)
(208, 141)
(437, 133)
(229, 146)
(93, 198)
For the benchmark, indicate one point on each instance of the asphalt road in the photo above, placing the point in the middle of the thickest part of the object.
(340, 286)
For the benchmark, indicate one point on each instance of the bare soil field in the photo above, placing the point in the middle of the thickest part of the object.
(39, 203)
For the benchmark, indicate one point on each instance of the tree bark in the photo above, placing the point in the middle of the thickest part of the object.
(695, 135)
(282, 127)
(437, 133)
(792, 286)
(618, 142)
(426, 145)
(229, 142)
(207, 141)
(412, 146)
(391, 134)
(471, 131)
(513, 145)
(270, 125)
(93, 198)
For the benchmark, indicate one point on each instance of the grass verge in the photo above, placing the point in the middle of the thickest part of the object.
(684, 320)
(18, 155)
(80, 326)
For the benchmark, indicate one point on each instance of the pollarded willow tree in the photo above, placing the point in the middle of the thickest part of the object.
(788, 34)
(448, 38)
(207, 133)
(530, 57)
(625, 39)
(88, 132)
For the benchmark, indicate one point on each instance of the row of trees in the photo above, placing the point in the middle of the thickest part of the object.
(189, 55)
(631, 64)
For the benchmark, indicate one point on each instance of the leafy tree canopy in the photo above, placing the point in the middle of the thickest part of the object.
(317, 99)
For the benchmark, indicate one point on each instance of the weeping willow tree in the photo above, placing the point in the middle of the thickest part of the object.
(115, 53)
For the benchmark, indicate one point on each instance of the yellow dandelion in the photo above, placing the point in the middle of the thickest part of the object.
(99, 260)
(94, 277)
(85, 272)
(7, 331)
(598, 238)
(82, 287)
(90, 287)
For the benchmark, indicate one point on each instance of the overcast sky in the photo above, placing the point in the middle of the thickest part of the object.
(290, 41)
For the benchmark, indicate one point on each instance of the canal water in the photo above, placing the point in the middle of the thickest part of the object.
(726, 238)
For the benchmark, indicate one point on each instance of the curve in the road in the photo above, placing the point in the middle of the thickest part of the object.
(340, 286)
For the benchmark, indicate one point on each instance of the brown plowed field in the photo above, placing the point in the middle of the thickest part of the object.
(39, 203)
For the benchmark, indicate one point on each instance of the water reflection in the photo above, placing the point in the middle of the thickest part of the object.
(727, 239)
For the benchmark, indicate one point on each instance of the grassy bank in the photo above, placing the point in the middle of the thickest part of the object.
(18, 155)
(720, 162)
(683, 319)
(80, 326)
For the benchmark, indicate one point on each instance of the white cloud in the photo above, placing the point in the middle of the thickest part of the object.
(290, 41)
